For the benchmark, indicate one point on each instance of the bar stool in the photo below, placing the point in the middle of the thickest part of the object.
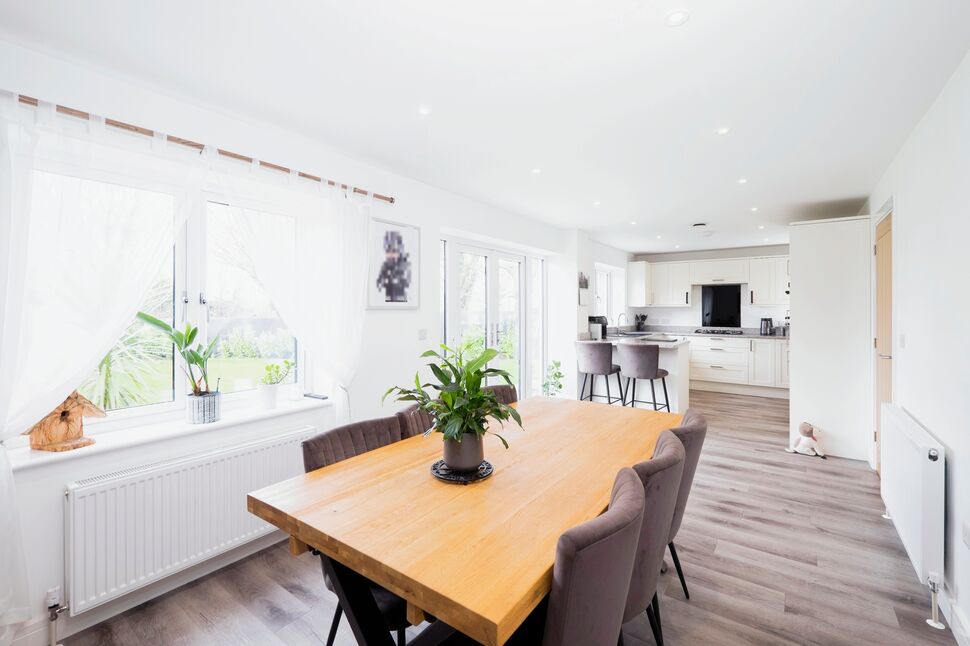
(595, 358)
(639, 361)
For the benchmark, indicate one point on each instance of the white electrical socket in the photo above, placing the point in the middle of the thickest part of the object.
(54, 597)
(966, 533)
(422, 334)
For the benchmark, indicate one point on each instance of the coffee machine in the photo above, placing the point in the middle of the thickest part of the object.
(767, 327)
(597, 323)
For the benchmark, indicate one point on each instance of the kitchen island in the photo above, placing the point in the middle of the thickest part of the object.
(674, 358)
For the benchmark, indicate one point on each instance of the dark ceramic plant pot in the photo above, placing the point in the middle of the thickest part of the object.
(466, 455)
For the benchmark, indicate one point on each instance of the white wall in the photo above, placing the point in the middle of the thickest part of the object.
(927, 186)
(751, 315)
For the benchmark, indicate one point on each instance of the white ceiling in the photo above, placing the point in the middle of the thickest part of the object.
(610, 103)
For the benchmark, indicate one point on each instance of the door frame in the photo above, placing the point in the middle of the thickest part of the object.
(886, 211)
(454, 247)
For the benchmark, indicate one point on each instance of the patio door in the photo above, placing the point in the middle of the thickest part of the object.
(484, 304)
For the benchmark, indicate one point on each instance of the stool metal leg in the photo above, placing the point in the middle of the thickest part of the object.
(609, 398)
(620, 387)
(666, 398)
(653, 395)
(582, 391)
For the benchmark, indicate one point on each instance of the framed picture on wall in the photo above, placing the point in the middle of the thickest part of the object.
(394, 254)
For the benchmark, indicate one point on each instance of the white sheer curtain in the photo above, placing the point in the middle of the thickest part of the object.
(313, 263)
(79, 248)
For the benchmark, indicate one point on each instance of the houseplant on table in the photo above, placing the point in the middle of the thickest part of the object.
(271, 381)
(204, 403)
(458, 405)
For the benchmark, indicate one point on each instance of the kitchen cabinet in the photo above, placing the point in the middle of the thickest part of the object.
(713, 272)
(762, 361)
(751, 361)
(783, 364)
(768, 281)
(670, 283)
(638, 284)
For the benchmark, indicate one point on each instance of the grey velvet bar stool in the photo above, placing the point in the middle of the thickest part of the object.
(641, 361)
(595, 358)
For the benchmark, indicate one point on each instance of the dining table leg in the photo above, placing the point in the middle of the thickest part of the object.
(357, 601)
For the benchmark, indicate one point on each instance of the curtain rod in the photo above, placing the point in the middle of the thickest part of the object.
(27, 100)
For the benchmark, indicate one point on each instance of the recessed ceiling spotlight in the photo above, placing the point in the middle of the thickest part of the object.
(536, 171)
(634, 223)
(676, 246)
(596, 203)
(658, 237)
(754, 209)
(766, 239)
(424, 110)
(761, 226)
(742, 181)
(723, 131)
(677, 17)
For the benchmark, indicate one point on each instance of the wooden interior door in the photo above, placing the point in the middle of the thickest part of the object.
(884, 320)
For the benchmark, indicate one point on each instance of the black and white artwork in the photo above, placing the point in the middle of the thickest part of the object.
(393, 277)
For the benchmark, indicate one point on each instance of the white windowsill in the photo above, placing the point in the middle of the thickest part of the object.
(22, 458)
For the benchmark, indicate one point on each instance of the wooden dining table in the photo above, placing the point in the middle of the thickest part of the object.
(478, 557)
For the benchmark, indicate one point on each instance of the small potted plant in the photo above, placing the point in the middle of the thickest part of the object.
(552, 386)
(204, 403)
(460, 408)
(271, 381)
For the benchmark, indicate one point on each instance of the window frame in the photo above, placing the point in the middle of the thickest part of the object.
(181, 201)
(197, 270)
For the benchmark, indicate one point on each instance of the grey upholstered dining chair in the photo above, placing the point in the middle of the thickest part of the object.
(504, 393)
(590, 577)
(595, 358)
(339, 444)
(640, 361)
(414, 421)
(661, 477)
(691, 433)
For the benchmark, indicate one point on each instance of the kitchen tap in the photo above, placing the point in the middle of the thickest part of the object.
(623, 314)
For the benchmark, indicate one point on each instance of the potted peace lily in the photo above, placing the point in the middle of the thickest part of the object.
(271, 382)
(458, 405)
(204, 403)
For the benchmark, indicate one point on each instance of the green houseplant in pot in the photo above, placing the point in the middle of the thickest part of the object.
(204, 403)
(269, 385)
(458, 404)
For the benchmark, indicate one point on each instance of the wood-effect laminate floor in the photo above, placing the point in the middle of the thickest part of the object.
(777, 549)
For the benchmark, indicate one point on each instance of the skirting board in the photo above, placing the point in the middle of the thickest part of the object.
(35, 632)
(955, 620)
(739, 389)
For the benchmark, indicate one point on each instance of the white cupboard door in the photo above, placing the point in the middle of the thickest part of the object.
(781, 280)
(760, 282)
(714, 272)
(783, 363)
(660, 284)
(761, 362)
(679, 284)
(637, 284)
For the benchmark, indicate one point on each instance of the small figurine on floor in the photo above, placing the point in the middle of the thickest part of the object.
(807, 444)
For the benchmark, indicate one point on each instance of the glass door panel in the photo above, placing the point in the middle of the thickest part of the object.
(471, 317)
(508, 319)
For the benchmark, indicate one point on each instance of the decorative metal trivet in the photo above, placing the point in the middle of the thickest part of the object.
(441, 471)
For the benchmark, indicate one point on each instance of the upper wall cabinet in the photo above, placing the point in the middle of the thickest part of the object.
(768, 281)
(712, 272)
(670, 283)
(638, 284)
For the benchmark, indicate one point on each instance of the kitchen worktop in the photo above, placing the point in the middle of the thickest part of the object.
(646, 340)
(681, 330)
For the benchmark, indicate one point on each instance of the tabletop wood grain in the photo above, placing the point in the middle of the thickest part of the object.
(479, 556)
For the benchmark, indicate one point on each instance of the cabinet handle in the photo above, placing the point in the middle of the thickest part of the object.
(717, 280)
(718, 367)
(717, 349)
(686, 298)
(751, 294)
(750, 345)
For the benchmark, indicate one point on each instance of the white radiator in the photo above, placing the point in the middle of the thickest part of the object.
(130, 528)
(913, 466)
